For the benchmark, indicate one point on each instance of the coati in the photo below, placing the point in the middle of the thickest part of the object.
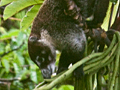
(55, 28)
(52, 29)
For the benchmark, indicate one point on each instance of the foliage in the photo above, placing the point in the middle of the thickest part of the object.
(106, 20)
(17, 5)
(16, 68)
(114, 1)
(17, 64)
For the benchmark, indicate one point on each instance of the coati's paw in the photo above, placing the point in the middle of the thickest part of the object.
(73, 10)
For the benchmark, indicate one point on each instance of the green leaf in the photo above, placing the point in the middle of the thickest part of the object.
(66, 87)
(2, 47)
(21, 37)
(9, 34)
(39, 75)
(17, 6)
(29, 17)
(106, 20)
(5, 2)
(2, 71)
(16, 68)
(54, 89)
(19, 58)
(2, 30)
(33, 76)
(5, 63)
(23, 74)
(114, 1)
(30, 62)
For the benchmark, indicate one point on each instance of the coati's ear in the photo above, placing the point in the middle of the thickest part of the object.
(33, 39)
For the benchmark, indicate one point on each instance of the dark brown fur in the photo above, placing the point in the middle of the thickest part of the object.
(52, 30)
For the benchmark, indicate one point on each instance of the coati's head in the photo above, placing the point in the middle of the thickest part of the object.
(42, 54)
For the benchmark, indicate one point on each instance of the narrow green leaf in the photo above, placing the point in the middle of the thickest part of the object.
(33, 76)
(18, 5)
(16, 68)
(2, 71)
(66, 87)
(29, 17)
(9, 34)
(5, 2)
(2, 47)
(114, 1)
(20, 59)
(106, 20)
(21, 37)
(30, 62)
(5, 63)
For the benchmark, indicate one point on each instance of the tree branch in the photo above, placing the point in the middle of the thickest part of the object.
(12, 50)
(8, 80)
(12, 18)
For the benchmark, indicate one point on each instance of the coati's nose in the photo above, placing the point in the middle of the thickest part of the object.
(47, 72)
(33, 39)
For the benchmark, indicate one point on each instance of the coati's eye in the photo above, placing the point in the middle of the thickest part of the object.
(40, 59)
(33, 38)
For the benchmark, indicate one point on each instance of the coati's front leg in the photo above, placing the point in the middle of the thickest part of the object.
(73, 52)
(69, 57)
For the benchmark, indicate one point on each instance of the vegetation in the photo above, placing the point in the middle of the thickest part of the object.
(18, 72)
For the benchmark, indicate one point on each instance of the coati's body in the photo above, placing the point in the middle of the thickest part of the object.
(52, 30)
